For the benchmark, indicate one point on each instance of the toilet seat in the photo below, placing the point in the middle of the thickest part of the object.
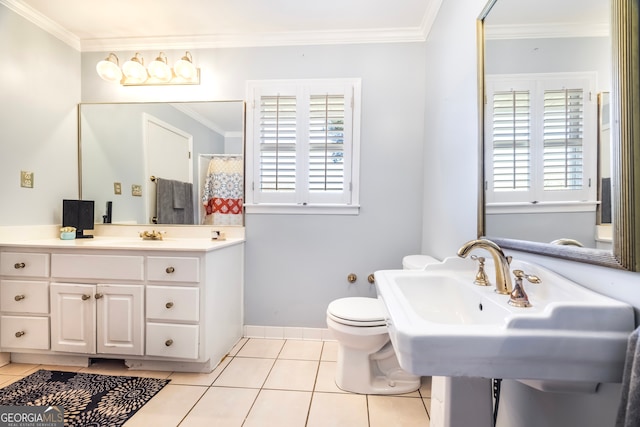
(357, 311)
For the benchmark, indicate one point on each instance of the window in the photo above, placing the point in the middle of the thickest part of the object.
(303, 146)
(540, 139)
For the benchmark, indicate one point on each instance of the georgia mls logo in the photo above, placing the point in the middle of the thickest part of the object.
(57, 412)
(31, 416)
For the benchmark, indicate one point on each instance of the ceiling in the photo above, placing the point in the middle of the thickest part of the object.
(99, 25)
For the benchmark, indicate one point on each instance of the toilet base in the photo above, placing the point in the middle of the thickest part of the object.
(379, 373)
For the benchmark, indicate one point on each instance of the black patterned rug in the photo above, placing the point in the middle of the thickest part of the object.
(87, 399)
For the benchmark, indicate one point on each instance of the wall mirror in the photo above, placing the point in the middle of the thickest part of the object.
(142, 157)
(559, 117)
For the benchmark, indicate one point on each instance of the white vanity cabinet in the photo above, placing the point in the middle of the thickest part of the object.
(173, 309)
(156, 306)
(24, 301)
(103, 318)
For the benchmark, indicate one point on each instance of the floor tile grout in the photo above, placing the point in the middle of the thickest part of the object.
(235, 354)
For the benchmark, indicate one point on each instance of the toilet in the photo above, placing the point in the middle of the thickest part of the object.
(367, 363)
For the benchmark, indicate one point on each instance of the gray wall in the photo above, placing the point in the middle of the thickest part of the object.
(297, 264)
(39, 91)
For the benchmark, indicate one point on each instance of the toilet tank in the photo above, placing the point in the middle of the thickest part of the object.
(417, 262)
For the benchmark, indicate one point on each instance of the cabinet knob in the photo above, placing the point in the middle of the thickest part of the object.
(98, 295)
(168, 342)
(169, 305)
(170, 270)
(19, 265)
(19, 297)
(19, 334)
(85, 297)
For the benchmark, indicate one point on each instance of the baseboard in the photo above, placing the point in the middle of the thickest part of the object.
(288, 332)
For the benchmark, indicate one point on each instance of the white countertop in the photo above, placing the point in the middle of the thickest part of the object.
(108, 242)
(122, 238)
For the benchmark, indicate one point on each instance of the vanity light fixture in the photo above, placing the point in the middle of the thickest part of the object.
(109, 69)
(184, 67)
(158, 72)
(134, 71)
(159, 69)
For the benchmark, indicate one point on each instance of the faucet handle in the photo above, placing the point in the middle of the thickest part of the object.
(481, 276)
(519, 297)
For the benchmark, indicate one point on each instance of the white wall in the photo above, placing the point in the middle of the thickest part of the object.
(450, 210)
(297, 264)
(39, 91)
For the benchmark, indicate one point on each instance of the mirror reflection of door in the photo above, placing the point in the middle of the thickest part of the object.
(167, 155)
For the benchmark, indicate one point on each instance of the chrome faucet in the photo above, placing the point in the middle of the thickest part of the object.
(500, 262)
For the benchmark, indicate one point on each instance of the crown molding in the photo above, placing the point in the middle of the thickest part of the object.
(43, 22)
(429, 17)
(544, 31)
(396, 35)
(384, 35)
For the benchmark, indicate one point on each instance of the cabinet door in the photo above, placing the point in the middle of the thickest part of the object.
(120, 319)
(73, 318)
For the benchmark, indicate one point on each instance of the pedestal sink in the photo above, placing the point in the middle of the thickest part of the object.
(442, 324)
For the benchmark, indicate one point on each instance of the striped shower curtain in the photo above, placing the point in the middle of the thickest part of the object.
(223, 191)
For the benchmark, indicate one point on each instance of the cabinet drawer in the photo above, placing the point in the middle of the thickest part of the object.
(21, 264)
(21, 296)
(176, 341)
(173, 269)
(24, 332)
(173, 303)
(101, 267)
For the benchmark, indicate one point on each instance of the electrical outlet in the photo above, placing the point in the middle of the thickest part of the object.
(117, 188)
(26, 179)
(136, 190)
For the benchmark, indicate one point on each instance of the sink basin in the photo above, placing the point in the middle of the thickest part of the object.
(440, 323)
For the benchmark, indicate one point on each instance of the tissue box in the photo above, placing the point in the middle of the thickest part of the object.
(67, 235)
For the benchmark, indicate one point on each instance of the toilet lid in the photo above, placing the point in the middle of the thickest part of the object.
(358, 310)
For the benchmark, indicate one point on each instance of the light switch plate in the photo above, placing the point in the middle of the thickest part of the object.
(117, 188)
(136, 190)
(26, 179)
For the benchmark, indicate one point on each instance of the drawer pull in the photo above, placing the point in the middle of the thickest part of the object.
(168, 342)
(99, 295)
(169, 305)
(85, 297)
(19, 334)
(170, 270)
(19, 265)
(19, 297)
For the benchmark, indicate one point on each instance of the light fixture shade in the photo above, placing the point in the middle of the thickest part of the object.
(134, 70)
(184, 67)
(109, 69)
(159, 69)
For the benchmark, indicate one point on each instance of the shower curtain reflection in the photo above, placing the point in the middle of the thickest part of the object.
(222, 193)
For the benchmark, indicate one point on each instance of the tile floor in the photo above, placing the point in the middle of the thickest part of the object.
(263, 382)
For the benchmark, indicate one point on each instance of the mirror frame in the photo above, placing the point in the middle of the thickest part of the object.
(625, 104)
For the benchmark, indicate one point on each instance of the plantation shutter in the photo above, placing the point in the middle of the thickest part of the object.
(540, 133)
(302, 147)
(278, 143)
(326, 143)
(563, 139)
(511, 141)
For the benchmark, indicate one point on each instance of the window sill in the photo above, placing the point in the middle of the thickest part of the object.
(542, 207)
(286, 209)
